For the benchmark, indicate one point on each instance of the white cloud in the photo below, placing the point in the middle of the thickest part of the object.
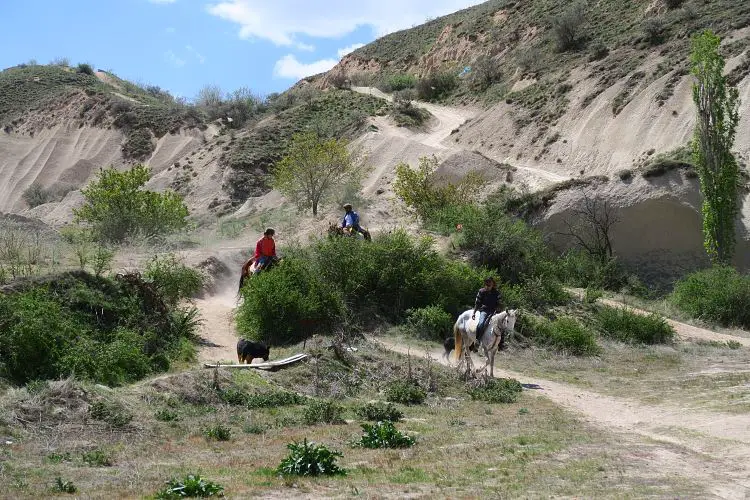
(305, 46)
(349, 49)
(289, 67)
(162, 1)
(173, 59)
(198, 55)
(281, 21)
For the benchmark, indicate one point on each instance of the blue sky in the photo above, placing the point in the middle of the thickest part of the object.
(182, 45)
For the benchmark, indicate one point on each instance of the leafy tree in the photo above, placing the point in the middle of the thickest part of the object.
(717, 117)
(117, 206)
(313, 168)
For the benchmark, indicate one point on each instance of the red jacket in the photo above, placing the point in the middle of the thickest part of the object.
(265, 247)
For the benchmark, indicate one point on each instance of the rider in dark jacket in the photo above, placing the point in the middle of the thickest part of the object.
(487, 302)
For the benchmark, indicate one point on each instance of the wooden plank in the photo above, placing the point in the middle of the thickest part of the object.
(270, 365)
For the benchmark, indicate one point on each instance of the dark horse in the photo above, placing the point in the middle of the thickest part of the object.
(334, 230)
(248, 269)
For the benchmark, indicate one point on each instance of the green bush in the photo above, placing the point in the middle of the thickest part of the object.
(437, 86)
(310, 459)
(218, 432)
(431, 322)
(64, 486)
(628, 326)
(97, 458)
(191, 486)
(719, 294)
(113, 413)
(497, 390)
(379, 412)
(117, 207)
(384, 435)
(288, 303)
(406, 392)
(564, 334)
(323, 412)
(399, 82)
(85, 68)
(172, 279)
(166, 415)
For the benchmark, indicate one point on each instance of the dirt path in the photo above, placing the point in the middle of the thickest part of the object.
(712, 446)
(217, 331)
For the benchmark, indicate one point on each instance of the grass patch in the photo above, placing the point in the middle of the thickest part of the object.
(323, 412)
(496, 390)
(379, 412)
(406, 392)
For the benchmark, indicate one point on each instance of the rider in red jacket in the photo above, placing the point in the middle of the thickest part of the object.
(265, 250)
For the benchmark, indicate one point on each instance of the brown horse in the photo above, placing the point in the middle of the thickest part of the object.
(334, 230)
(248, 269)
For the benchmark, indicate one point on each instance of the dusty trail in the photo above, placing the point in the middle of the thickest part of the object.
(218, 331)
(710, 445)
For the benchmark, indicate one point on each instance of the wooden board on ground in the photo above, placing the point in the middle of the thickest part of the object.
(269, 365)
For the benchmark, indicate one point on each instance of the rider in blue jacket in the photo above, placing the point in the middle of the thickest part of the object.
(351, 219)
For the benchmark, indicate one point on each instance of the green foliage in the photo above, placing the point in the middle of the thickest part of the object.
(64, 486)
(406, 392)
(96, 458)
(567, 27)
(113, 413)
(719, 294)
(172, 279)
(380, 412)
(96, 328)
(288, 303)
(218, 432)
(654, 30)
(437, 86)
(431, 322)
(564, 335)
(274, 399)
(628, 326)
(384, 435)
(323, 412)
(717, 106)
(497, 390)
(426, 194)
(406, 114)
(312, 169)
(166, 415)
(399, 82)
(191, 486)
(118, 207)
(310, 459)
(85, 68)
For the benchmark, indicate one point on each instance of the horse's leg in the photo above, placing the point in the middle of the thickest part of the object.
(492, 362)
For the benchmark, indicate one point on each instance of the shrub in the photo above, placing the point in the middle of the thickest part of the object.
(625, 174)
(85, 68)
(431, 322)
(628, 326)
(406, 392)
(436, 86)
(274, 399)
(218, 432)
(172, 279)
(113, 413)
(654, 30)
(64, 486)
(384, 435)
(567, 26)
(380, 412)
(598, 51)
(166, 415)
(565, 334)
(36, 195)
(117, 207)
(399, 82)
(97, 458)
(497, 390)
(323, 412)
(191, 486)
(310, 459)
(407, 114)
(288, 303)
(673, 4)
(719, 294)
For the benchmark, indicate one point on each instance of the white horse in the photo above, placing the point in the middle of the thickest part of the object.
(465, 333)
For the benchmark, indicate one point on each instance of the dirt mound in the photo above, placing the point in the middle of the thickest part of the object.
(458, 165)
(56, 402)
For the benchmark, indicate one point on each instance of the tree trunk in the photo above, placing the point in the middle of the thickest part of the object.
(315, 207)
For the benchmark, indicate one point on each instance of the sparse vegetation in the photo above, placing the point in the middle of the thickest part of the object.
(407, 392)
(567, 27)
(218, 432)
(496, 390)
(323, 412)
(380, 412)
(190, 486)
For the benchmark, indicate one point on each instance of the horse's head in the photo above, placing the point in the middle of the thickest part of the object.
(507, 319)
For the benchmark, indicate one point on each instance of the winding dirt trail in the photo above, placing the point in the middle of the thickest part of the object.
(712, 446)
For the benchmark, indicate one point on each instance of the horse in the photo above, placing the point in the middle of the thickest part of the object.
(334, 230)
(248, 269)
(464, 334)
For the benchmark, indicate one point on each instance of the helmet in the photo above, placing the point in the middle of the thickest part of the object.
(347, 206)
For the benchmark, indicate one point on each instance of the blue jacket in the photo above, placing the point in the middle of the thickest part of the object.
(351, 219)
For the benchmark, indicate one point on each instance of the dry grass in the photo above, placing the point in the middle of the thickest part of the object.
(464, 448)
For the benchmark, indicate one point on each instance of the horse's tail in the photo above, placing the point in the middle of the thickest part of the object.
(459, 341)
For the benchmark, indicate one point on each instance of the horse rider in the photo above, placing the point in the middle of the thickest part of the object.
(487, 302)
(350, 222)
(265, 251)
